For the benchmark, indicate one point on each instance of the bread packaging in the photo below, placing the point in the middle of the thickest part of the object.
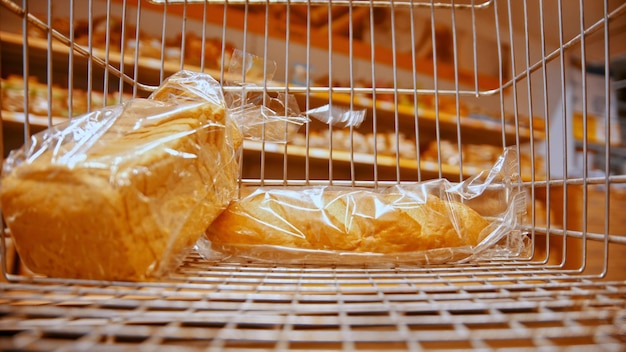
(123, 193)
(430, 222)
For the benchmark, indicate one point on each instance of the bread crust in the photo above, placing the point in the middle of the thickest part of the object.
(129, 206)
(357, 221)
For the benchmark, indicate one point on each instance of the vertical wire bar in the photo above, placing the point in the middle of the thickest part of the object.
(223, 61)
(607, 142)
(307, 159)
(107, 50)
(476, 49)
(514, 88)
(500, 68)
(245, 47)
(26, 72)
(136, 57)
(222, 80)
(515, 101)
(351, 78)
(183, 40)
(243, 75)
(374, 92)
(70, 65)
(123, 53)
(265, 45)
(394, 67)
(456, 88)
(564, 130)
(330, 90)
(533, 218)
(203, 37)
(163, 31)
(436, 88)
(90, 49)
(3, 233)
(49, 62)
(546, 114)
(415, 97)
(583, 63)
(244, 63)
(287, 38)
(2, 140)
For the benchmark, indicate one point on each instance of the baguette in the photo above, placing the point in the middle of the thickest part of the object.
(354, 221)
(129, 201)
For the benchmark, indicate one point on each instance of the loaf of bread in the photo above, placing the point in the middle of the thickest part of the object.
(346, 221)
(121, 198)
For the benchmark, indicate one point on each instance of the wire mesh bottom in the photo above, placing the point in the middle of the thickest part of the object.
(230, 306)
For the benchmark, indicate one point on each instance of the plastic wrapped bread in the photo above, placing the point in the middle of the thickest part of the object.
(123, 193)
(430, 222)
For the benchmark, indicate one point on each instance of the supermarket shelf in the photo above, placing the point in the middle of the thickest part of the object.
(297, 153)
(428, 169)
(473, 130)
(114, 58)
(39, 122)
(255, 22)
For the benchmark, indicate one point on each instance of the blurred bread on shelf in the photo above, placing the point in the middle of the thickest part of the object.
(386, 143)
(44, 100)
(481, 156)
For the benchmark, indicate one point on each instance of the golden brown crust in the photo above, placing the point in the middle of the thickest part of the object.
(350, 221)
(140, 198)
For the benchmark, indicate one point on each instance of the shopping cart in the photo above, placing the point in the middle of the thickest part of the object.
(446, 87)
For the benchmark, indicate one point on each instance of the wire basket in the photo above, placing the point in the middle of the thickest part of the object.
(445, 88)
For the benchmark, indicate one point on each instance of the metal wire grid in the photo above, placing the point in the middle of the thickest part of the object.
(437, 88)
(221, 306)
(231, 306)
(518, 82)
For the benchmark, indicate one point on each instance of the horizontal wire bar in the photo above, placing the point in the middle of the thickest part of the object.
(602, 180)
(577, 234)
(362, 3)
(276, 87)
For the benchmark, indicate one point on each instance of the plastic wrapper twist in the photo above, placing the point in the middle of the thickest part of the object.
(273, 117)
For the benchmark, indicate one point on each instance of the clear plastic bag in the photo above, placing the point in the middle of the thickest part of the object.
(273, 117)
(123, 193)
(261, 116)
(432, 222)
(338, 116)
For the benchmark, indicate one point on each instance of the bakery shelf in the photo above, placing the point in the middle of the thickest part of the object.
(39, 122)
(408, 167)
(298, 153)
(62, 49)
(293, 151)
(477, 131)
(473, 130)
(278, 28)
(149, 65)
